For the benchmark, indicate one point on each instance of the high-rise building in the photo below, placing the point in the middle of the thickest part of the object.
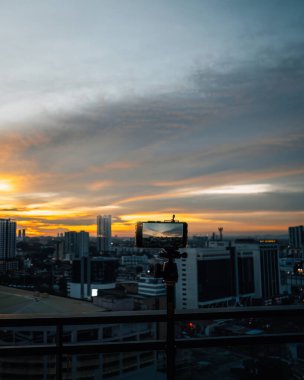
(296, 236)
(7, 244)
(263, 257)
(270, 272)
(76, 244)
(104, 233)
(21, 235)
(205, 277)
(83, 244)
(228, 276)
(70, 244)
(7, 239)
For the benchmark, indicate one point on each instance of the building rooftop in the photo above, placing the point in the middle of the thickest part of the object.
(18, 301)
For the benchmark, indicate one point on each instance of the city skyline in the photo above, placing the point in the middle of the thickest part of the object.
(142, 110)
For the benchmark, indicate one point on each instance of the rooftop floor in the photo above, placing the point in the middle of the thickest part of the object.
(18, 301)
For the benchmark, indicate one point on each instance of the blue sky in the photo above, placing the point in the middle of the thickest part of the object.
(142, 109)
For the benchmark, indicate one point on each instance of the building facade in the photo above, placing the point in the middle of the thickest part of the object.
(135, 260)
(296, 236)
(228, 276)
(151, 286)
(76, 244)
(270, 271)
(7, 245)
(91, 274)
(104, 234)
(93, 366)
(206, 277)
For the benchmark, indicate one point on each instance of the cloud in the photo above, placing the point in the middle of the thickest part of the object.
(220, 129)
(186, 203)
(96, 186)
(13, 209)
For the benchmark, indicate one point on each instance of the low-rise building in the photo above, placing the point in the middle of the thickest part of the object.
(122, 366)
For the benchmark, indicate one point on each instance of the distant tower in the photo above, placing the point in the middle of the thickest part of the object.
(296, 236)
(7, 239)
(76, 244)
(221, 232)
(104, 233)
(70, 244)
(83, 244)
(7, 245)
(23, 234)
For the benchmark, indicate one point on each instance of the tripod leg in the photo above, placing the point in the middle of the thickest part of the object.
(170, 331)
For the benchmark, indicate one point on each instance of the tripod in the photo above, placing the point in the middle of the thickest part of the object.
(170, 275)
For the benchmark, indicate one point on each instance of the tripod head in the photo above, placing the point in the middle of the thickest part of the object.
(169, 270)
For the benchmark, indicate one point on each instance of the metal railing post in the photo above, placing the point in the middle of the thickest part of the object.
(59, 338)
(170, 276)
(170, 331)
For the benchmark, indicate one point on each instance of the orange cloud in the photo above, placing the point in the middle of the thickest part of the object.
(199, 223)
(116, 165)
(229, 177)
(98, 185)
(196, 191)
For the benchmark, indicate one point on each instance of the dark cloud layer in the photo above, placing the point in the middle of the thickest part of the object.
(235, 124)
(225, 114)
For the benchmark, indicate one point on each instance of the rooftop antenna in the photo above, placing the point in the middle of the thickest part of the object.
(221, 232)
(172, 220)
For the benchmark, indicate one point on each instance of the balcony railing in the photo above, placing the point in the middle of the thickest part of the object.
(60, 348)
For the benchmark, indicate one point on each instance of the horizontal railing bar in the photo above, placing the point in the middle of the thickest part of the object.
(220, 341)
(14, 320)
(60, 321)
(241, 312)
(82, 319)
(28, 350)
(85, 348)
(154, 345)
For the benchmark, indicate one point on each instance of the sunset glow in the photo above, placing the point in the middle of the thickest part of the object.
(5, 186)
(237, 189)
(185, 108)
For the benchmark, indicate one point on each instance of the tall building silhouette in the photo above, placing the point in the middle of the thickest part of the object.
(228, 276)
(91, 274)
(76, 244)
(296, 236)
(7, 245)
(104, 233)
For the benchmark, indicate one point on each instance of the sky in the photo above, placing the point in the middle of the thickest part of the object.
(142, 109)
